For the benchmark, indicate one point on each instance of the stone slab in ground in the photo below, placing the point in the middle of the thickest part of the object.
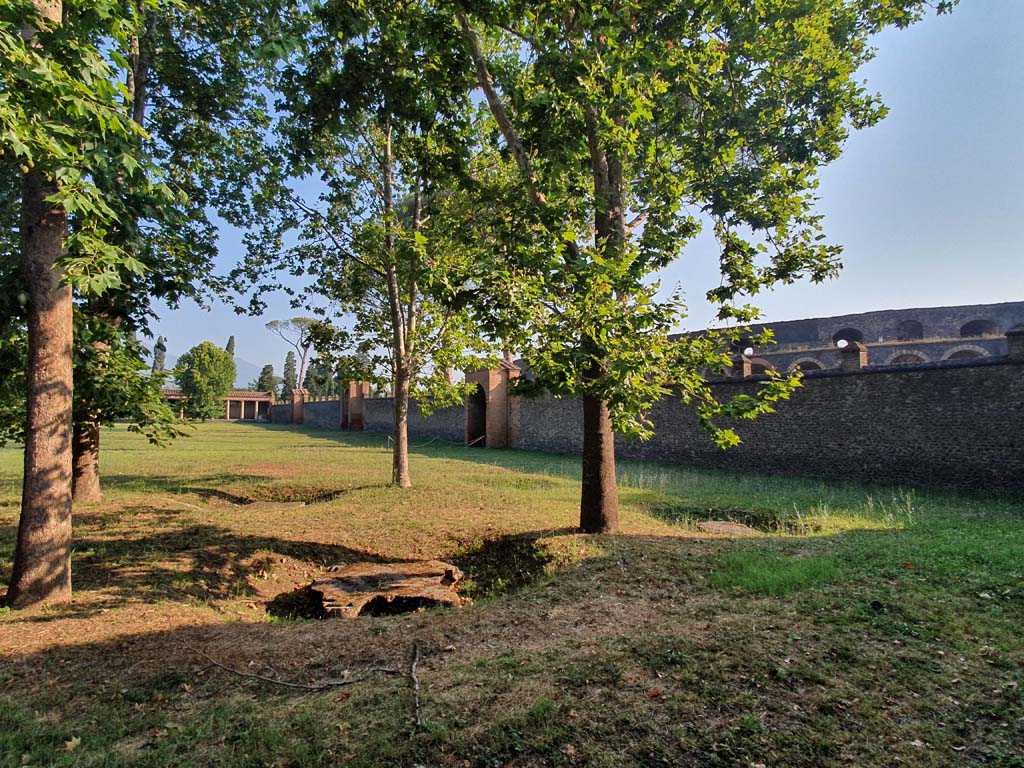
(360, 588)
(727, 528)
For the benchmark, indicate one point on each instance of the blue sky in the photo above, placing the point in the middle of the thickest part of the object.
(929, 204)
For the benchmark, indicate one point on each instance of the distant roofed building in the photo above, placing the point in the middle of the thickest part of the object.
(239, 405)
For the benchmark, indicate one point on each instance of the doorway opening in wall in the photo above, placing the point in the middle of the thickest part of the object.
(476, 418)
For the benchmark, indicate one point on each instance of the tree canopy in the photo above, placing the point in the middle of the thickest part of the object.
(206, 374)
(627, 127)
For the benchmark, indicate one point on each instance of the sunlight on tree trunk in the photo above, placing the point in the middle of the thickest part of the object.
(400, 461)
(42, 557)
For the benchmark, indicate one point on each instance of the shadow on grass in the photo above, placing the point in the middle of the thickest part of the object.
(195, 563)
(656, 672)
(171, 483)
(505, 564)
(253, 488)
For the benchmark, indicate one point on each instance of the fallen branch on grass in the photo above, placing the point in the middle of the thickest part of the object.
(417, 720)
(184, 504)
(326, 685)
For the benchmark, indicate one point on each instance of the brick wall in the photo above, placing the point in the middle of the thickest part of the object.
(956, 425)
(444, 423)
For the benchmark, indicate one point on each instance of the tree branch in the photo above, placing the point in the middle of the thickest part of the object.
(287, 684)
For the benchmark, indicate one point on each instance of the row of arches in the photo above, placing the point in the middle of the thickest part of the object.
(912, 330)
(960, 352)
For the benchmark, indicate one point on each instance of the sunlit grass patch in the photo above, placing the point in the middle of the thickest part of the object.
(765, 573)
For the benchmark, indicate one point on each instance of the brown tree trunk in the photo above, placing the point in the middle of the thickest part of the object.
(599, 505)
(85, 479)
(400, 458)
(42, 556)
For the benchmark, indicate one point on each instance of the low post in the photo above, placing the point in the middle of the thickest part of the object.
(1015, 343)
(740, 366)
(358, 391)
(853, 357)
(298, 405)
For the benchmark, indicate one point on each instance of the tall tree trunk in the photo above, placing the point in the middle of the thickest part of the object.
(85, 447)
(42, 555)
(400, 458)
(599, 504)
(399, 331)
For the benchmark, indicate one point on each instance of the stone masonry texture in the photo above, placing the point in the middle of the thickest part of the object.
(949, 425)
(322, 414)
(444, 423)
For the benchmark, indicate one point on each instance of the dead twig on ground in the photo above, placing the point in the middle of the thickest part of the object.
(184, 504)
(417, 720)
(326, 685)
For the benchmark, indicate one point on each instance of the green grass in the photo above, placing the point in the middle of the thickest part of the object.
(865, 626)
(766, 574)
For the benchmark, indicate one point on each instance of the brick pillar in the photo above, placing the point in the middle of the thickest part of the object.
(853, 357)
(358, 391)
(740, 366)
(227, 408)
(490, 413)
(299, 405)
(1015, 342)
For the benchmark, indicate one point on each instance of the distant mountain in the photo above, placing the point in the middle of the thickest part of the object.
(245, 372)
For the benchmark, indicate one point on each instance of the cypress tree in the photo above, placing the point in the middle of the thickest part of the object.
(159, 354)
(290, 376)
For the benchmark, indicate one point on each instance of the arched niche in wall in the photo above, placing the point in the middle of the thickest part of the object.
(476, 418)
(847, 334)
(909, 330)
(979, 327)
(965, 352)
(807, 364)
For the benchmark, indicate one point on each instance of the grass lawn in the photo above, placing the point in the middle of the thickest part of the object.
(861, 627)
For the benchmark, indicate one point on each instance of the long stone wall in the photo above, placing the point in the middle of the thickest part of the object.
(281, 413)
(322, 414)
(954, 425)
(444, 423)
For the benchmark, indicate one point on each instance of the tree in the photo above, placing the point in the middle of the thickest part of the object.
(291, 378)
(320, 380)
(387, 145)
(159, 355)
(196, 92)
(122, 235)
(267, 382)
(112, 383)
(298, 333)
(56, 84)
(206, 375)
(622, 121)
(230, 346)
